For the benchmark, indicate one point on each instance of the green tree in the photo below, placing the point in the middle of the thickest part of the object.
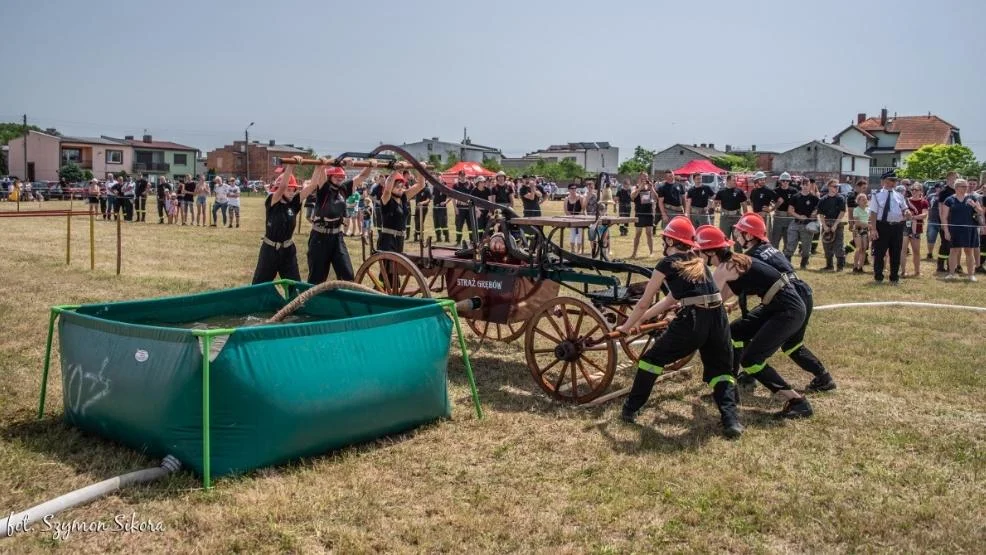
(452, 160)
(10, 131)
(302, 172)
(71, 172)
(735, 162)
(934, 161)
(640, 162)
(87, 175)
(492, 164)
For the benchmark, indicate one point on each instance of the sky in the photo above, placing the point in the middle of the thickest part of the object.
(520, 75)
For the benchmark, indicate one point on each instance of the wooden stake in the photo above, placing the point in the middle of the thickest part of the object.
(68, 238)
(684, 374)
(119, 246)
(92, 241)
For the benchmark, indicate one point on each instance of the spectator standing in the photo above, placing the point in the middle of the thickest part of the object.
(422, 201)
(945, 246)
(934, 220)
(531, 196)
(670, 197)
(803, 210)
(163, 190)
(831, 214)
(129, 190)
(140, 198)
(624, 204)
(961, 213)
(887, 213)
(643, 195)
(352, 216)
(201, 195)
(980, 195)
(233, 196)
(111, 188)
(439, 215)
(781, 203)
(861, 237)
(730, 202)
(915, 228)
(92, 192)
(697, 203)
(574, 206)
(221, 191)
(761, 201)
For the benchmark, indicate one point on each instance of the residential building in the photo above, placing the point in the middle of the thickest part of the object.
(592, 157)
(231, 160)
(466, 151)
(4, 156)
(823, 160)
(764, 158)
(889, 140)
(160, 158)
(678, 155)
(47, 153)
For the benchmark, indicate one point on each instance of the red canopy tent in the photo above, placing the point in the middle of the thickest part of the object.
(698, 166)
(472, 169)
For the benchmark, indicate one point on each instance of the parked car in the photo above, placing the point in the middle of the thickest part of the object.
(41, 189)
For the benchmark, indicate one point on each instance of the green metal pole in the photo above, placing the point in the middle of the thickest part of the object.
(44, 373)
(450, 305)
(206, 439)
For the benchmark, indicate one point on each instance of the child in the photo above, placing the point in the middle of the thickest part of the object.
(860, 233)
(171, 207)
(367, 214)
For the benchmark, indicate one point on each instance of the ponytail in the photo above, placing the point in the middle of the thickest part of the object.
(691, 268)
(738, 261)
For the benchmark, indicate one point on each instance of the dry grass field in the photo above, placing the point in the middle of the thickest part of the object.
(893, 462)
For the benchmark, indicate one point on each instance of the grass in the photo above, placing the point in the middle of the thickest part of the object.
(894, 461)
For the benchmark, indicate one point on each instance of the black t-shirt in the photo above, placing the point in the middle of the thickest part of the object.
(946, 192)
(805, 205)
(483, 194)
(502, 194)
(438, 198)
(530, 205)
(392, 214)
(643, 204)
(731, 198)
(623, 196)
(672, 193)
(281, 218)
(117, 189)
(760, 198)
(831, 206)
(141, 188)
(423, 195)
(755, 281)
(765, 252)
(700, 195)
(462, 187)
(189, 190)
(783, 198)
(330, 202)
(680, 287)
(162, 190)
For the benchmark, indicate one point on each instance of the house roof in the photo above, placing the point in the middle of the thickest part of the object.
(865, 133)
(913, 131)
(835, 147)
(91, 141)
(153, 145)
(284, 148)
(568, 147)
(700, 150)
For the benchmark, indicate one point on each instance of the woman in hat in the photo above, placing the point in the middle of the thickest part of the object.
(278, 254)
(326, 247)
(395, 206)
(750, 233)
(700, 324)
(764, 329)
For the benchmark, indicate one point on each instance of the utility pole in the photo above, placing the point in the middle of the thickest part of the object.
(246, 150)
(24, 177)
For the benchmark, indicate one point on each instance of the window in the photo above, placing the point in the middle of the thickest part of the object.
(430, 147)
(181, 159)
(853, 164)
(274, 161)
(71, 156)
(114, 156)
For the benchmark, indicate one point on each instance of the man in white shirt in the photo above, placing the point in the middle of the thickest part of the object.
(233, 196)
(222, 200)
(888, 211)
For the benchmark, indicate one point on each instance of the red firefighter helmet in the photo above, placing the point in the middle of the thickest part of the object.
(754, 225)
(708, 237)
(681, 229)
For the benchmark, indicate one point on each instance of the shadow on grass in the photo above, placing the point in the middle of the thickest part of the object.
(504, 385)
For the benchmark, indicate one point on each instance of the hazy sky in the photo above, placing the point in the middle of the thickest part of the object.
(519, 74)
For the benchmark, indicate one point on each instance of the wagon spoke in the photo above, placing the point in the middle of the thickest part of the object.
(545, 334)
(561, 375)
(561, 335)
(544, 370)
(592, 363)
(588, 378)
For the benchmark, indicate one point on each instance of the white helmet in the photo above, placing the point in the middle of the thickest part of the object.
(759, 176)
(501, 174)
(784, 177)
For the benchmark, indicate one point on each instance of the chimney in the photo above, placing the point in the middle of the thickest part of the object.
(128, 138)
(271, 143)
(860, 118)
(753, 148)
(435, 139)
(883, 116)
(712, 146)
(704, 145)
(290, 145)
(147, 138)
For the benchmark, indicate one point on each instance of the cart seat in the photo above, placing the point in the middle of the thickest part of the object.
(612, 295)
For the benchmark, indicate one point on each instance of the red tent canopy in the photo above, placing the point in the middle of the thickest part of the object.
(472, 169)
(698, 166)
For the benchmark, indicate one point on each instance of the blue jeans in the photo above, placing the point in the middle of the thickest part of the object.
(216, 206)
(933, 229)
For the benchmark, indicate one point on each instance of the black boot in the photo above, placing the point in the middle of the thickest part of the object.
(828, 264)
(643, 383)
(726, 399)
(804, 262)
(796, 408)
(820, 383)
(840, 264)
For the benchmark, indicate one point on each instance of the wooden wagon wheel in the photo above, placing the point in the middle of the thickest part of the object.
(498, 332)
(637, 344)
(394, 274)
(557, 355)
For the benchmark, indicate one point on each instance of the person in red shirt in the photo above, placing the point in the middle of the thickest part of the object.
(915, 228)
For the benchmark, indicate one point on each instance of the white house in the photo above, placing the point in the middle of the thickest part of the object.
(592, 157)
(466, 151)
(818, 158)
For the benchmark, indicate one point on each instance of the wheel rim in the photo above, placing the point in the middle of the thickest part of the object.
(556, 354)
(497, 332)
(394, 274)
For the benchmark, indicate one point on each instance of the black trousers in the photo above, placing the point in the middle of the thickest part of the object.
(889, 236)
(274, 261)
(624, 213)
(762, 331)
(439, 218)
(704, 330)
(462, 217)
(794, 346)
(420, 217)
(390, 242)
(327, 250)
(160, 210)
(140, 207)
(128, 208)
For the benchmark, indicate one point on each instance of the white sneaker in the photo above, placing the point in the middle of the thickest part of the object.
(950, 277)
(973, 278)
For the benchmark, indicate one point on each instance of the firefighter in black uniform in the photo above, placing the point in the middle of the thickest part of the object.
(751, 235)
(421, 204)
(700, 324)
(765, 328)
(831, 211)
(623, 204)
(278, 254)
(803, 209)
(439, 215)
(395, 201)
(462, 209)
(762, 198)
(325, 243)
(783, 194)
